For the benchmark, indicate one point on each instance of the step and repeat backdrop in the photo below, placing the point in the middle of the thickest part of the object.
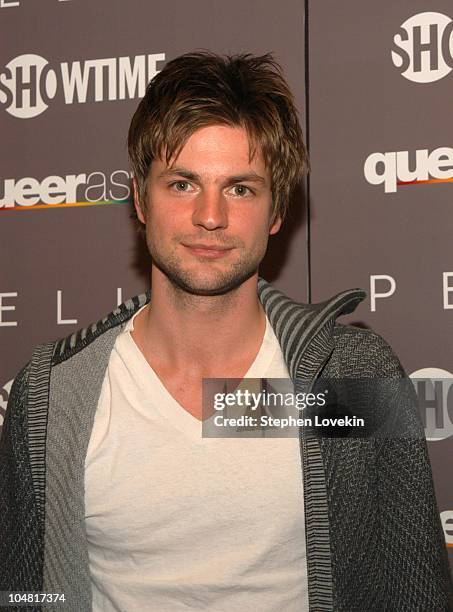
(381, 217)
(374, 89)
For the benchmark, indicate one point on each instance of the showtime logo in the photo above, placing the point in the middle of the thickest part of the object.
(434, 389)
(447, 523)
(72, 189)
(423, 47)
(399, 168)
(29, 83)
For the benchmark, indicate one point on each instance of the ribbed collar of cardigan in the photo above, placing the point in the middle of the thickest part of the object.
(304, 331)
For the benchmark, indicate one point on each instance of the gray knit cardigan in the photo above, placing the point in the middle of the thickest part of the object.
(373, 535)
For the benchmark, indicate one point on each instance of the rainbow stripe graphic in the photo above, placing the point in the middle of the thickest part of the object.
(65, 205)
(402, 183)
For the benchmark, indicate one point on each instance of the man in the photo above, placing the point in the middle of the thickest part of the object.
(111, 496)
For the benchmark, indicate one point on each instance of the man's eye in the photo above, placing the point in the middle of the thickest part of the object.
(241, 190)
(180, 186)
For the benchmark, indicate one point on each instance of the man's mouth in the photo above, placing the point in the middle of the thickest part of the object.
(210, 251)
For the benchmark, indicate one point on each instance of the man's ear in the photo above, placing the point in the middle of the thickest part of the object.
(138, 208)
(276, 225)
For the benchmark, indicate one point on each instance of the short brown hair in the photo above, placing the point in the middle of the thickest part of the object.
(200, 89)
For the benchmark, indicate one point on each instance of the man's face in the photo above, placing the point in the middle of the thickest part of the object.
(208, 212)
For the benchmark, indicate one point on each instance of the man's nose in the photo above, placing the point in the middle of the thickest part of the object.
(210, 210)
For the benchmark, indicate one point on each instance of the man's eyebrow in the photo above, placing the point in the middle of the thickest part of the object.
(193, 176)
(249, 177)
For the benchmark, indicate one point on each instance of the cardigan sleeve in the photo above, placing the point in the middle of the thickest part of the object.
(20, 537)
(413, 558)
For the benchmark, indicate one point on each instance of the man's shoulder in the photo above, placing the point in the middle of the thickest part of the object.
(362, 352)
(89, 347)
(68, 346)
(19, 387)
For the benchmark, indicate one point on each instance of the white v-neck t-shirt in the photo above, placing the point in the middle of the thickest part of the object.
(177, 522)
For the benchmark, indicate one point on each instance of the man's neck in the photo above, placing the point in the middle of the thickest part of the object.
(201, 335)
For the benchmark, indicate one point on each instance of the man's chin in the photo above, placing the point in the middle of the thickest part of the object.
(208, 285)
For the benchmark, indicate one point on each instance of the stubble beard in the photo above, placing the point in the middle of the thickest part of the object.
(222, 282)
